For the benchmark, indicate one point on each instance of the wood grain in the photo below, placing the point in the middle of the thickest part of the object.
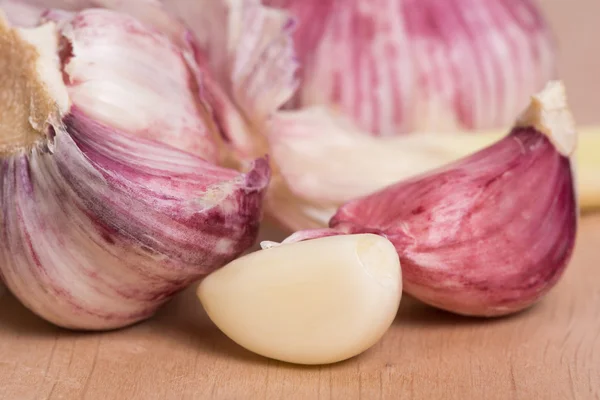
(551, 351)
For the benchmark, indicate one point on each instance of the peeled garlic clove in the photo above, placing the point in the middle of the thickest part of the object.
(104, 214)
(489, 234)
(313, 302)
(397, 66)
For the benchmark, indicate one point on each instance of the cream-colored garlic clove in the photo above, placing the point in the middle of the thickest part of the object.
(313, 302)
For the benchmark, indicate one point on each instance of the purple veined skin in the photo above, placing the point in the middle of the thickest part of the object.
(489, 234)
(370, 73)
(390, 89)
(399, 66)
(111, 200)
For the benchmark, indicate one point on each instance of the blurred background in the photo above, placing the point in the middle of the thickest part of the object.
(575, 23)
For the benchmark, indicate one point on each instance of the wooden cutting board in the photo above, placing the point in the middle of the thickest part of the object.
(551, 351)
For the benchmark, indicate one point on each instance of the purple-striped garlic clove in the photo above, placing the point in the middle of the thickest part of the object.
(324, 161)
(105, 206)
(492, 233)
(489, 234)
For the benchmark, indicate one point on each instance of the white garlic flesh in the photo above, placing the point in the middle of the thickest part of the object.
(314, 302)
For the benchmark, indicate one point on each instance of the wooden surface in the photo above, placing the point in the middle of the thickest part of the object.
(551, 351)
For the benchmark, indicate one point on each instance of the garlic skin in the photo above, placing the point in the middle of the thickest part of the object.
(318, 173)
(398, 66)
(389, 70)
(23, 13)
(108, 208)
(248, 65)
(313, 302)
(489, 234)
(241, 51)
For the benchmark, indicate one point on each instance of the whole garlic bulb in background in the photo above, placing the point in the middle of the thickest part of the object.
(389, 89)
(110, 197)
(399, 66)
(382, 80)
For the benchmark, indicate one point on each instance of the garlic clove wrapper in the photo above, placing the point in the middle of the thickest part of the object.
(104, 221)
(117, 63)
(489, 234)
(398, 66)
(248, 66)
(21, 13)
(313, 302)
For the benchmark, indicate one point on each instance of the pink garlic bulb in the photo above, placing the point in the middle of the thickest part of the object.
(398, 66)
(111, 199)
(382, 81)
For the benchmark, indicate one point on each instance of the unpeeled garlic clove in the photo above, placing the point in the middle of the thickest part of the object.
(312, 302)
(393, 68)
(489, 234)
(323, 161)
(105, 211)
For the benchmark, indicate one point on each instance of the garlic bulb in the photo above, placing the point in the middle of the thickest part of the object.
(489, 234)
(109, 196)
(372, 71)
(398, 66)
(327, 150)
(388, 67)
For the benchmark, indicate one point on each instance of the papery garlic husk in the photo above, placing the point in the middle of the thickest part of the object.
(248, 63)
(27, 13)
(489, 234)
(110, 202)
